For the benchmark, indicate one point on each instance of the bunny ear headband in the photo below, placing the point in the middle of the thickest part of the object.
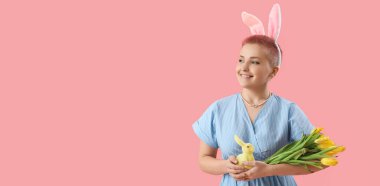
(257, 28)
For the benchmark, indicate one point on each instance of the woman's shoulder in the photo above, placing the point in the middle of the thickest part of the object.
(282, 100)
(226, 100)
(285, 102)
(232, 99)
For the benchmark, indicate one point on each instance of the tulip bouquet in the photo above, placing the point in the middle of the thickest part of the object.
(314, 149)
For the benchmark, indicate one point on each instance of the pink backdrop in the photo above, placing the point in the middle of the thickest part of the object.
(105, 92)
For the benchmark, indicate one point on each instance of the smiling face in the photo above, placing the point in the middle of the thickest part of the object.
(254, 68)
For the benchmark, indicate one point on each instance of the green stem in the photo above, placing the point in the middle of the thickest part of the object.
(314, 164)
(297, 153)
(320, 154)
(287, 147)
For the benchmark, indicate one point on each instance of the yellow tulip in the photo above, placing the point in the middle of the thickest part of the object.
(316, 130)
(329, 161)
(336, 151)
(326, 144)
(321, 139)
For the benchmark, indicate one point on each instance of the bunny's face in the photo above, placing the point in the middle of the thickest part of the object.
(248, 148)
(253, 69)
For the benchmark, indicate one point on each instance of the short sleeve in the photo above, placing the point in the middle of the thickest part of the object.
(299, 124)
(204, 127)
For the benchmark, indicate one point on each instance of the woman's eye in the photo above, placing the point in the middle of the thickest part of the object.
(255, 62)
(240, 61)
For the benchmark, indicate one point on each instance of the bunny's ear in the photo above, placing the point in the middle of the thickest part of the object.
(239, 141)
(255, 25)
(274, 24)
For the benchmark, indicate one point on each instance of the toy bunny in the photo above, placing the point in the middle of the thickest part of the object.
(247, 154)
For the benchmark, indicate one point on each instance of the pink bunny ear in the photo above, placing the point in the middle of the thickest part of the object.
(255, 25)
(274, 24)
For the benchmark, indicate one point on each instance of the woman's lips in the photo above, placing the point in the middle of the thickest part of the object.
(245, 76)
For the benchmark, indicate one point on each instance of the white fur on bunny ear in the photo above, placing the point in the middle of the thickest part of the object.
(255, 25)
(274, 25)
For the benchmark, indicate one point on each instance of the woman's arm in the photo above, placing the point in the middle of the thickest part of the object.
(286, 169)
(209, 164)
(261, 169)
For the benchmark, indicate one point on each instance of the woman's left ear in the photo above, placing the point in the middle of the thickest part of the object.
(274, 72)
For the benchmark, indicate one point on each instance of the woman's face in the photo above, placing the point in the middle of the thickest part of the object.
(253, 69)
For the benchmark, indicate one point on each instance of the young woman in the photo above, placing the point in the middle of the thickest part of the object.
(258, 116)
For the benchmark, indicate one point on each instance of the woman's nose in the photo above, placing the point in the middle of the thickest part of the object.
(244, 66)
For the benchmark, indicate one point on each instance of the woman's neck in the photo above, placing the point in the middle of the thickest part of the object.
(255, 95)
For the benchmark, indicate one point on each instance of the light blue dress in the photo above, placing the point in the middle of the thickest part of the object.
(278, 123)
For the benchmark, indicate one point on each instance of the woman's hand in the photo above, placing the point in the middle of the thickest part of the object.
(259, 169)
(232, 169)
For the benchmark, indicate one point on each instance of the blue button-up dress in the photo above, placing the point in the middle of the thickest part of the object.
(278, 123)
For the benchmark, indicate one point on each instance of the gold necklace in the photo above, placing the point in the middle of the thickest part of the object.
(255, 105)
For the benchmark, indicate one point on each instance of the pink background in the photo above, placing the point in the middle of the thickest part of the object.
(105, 92)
